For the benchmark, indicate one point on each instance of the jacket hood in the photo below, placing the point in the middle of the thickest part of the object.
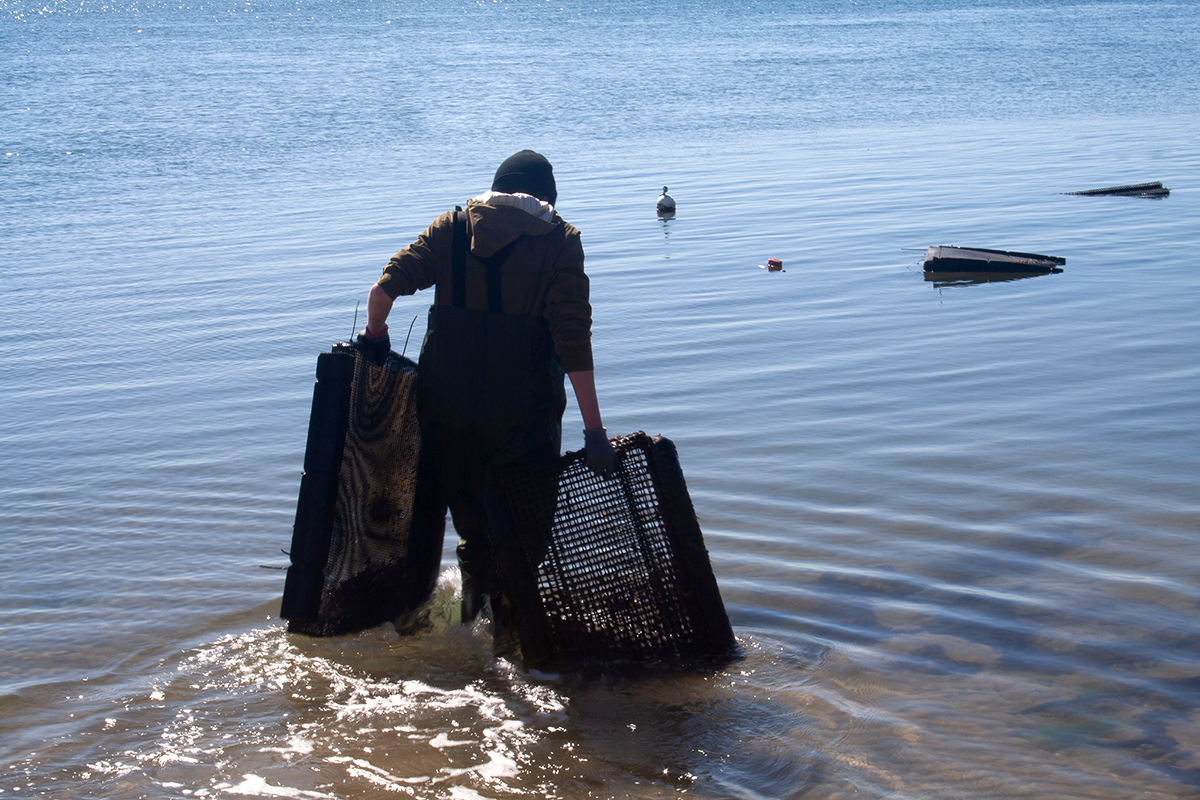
(496, 219)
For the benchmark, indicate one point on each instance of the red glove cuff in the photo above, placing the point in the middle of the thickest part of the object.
(367, 328)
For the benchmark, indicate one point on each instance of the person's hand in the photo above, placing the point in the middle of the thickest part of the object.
(600, 458)
(375, 347)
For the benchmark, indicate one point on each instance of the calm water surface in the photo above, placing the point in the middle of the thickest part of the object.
(955, 526)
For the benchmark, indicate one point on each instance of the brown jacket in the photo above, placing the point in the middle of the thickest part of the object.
(542, 277)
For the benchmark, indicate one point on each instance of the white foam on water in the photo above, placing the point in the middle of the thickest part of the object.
(254, 786)
(442, 740)
(347, 713)
(297, 746)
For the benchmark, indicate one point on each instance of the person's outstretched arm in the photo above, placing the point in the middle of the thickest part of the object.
(601, 458)
(379, 305)
(374, 340)
(584, 384)
(407, 272)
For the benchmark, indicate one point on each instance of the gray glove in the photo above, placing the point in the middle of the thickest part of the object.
(601, 459)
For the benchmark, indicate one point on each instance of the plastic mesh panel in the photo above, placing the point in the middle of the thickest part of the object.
(377, 480)
(380, 561)
(606, 570)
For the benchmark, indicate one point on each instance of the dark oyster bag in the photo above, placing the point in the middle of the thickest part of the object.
(366, 546)
(606, 571)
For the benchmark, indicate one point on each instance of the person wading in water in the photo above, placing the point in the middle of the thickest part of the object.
(510, 315)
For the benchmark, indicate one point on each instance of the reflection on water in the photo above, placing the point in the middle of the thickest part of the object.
(943, 279)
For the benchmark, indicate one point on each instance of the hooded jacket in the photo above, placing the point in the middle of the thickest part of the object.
(542, 277)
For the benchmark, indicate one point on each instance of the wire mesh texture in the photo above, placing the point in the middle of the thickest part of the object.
(359, 554)
(607, 570)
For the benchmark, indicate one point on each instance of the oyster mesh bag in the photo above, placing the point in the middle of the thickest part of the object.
(365, 549)
(606, 570)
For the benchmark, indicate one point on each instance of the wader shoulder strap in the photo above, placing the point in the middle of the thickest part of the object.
(493, 264)
(458, 266)
(458, 260)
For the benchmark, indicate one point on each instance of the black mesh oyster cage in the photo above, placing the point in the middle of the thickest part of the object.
(364, 547)
(607, 570)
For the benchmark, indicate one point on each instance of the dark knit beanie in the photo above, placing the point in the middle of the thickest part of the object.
(526, 172)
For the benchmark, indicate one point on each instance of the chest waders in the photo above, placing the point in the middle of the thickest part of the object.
(489, 392)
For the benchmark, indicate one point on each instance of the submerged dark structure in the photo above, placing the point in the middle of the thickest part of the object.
(604, 571)
(946, 258)
(1154, 189)
(365, 548)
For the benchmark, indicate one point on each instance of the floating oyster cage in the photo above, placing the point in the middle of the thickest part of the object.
(364, 549)
(608, 571)
(951, 258)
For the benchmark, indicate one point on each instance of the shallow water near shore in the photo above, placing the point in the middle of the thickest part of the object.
(954, 525)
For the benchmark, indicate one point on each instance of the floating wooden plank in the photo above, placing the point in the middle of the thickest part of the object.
(1154, 189)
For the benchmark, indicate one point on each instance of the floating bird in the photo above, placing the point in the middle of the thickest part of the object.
(666, 203)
